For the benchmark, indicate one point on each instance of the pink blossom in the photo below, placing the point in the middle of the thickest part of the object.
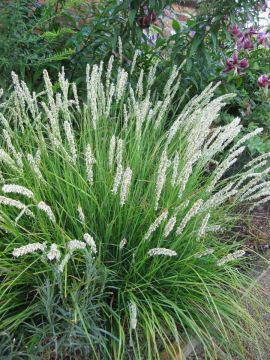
(244, 63)
(264, 81)
(246, 39)
(153, 16)
(251, 31)
(264, 39)
(247, 43)
(146, 20)
(235, 64)
(235, 31)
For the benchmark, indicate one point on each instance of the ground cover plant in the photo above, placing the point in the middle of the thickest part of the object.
(111, 221)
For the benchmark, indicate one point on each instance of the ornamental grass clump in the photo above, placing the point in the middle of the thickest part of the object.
(111, 221)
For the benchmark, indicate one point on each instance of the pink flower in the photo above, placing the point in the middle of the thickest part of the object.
(235, 31)
(251, 31)
(247, 43)
(246, 39)
(146, 20)
(244, 63)
(153, 16)
(264, 39)
(235, 64)
(264, 81)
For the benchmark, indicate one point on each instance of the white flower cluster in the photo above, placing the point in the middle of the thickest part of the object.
(204, 253)
(203, 226)
(6, 158)
(17, 189)
(121, 83)
(260, 202)
(161, 251)
(125, 185)
(169, 226)
(161, 176)
(163, 216)
(17, 204)
(186, 172)
(139, 86)
(81, 214)
(111, 151)
(109, 100)
(152, 74)
(133, 315)
(119, 169)
(108, 74)
(233, 256)
(219, 197)
(141, 111)
(256, 190)
(163, 109)
(190, 214)
(29, 249)
(246, 138)
(90, 242)
(47, 209)
(89, 161)
(53, 126)
(173, 76)
(34, 165)
(71, 140)
(75, 93)
(225, 165)
(49, 89)
(64, 262)
(258, 160)
(134, 60)
(17, 155)
(74, 245)
(54, 253)
(175, 168)
(123, 243)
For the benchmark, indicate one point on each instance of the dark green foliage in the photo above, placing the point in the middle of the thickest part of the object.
(10, 348)
(69, 33)
(31, 39)
(73, 33)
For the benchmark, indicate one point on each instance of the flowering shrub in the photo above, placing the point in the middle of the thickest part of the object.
(218, 45)
(246, 78)
(111, 220)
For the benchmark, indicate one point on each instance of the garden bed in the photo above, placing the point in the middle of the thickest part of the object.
(124, 225)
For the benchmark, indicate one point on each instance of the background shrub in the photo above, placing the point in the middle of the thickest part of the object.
(76, 33)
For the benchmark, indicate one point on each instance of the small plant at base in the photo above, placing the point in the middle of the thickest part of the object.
(173, 277)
